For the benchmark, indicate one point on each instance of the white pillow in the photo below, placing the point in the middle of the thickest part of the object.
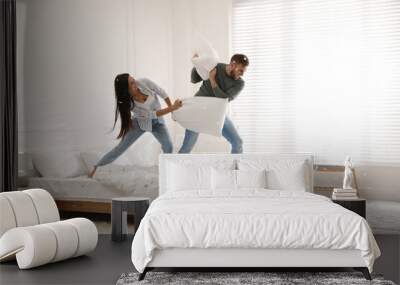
(90, 158)
(204, 65)
(223, 179)
(226, 179)
(281, 174)
(251, 178)
(287, 177)
(183, 178)
(202, 114)
(207, 58)
(59, 164)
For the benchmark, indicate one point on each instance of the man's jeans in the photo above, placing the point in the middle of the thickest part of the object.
(228, 131)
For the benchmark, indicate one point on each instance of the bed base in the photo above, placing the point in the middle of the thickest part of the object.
(250, 259)
(363, 270)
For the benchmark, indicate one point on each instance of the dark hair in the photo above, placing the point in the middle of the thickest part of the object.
(240, 59)
(123, 103)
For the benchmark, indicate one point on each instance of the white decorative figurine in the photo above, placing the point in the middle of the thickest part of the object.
(348, 174)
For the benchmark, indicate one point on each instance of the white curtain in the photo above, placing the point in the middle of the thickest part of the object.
(324, 77)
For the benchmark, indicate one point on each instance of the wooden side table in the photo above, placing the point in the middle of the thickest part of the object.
(357, 205)
(120, 208)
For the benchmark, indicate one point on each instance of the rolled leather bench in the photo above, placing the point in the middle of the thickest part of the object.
(31, 230)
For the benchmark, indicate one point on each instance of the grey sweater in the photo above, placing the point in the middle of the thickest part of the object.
(227, 86)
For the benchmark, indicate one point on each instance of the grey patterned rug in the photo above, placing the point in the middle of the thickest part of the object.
(243, 278)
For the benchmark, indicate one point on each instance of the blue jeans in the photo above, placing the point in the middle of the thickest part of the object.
(228, 131)
(159, 131)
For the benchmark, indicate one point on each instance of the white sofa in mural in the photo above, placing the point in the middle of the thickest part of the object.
(65, 175)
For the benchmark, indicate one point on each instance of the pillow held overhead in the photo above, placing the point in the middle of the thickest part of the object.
(207, 58)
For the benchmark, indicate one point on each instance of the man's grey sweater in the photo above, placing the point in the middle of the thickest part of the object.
(227, 87)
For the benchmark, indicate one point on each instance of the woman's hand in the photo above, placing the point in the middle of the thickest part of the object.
(177, 104)
(168, 102)
(91, 173)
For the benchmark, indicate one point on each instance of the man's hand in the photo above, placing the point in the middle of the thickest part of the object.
(211, 76)
(213, 73)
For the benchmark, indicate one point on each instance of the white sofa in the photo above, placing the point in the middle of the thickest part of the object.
(31, 230)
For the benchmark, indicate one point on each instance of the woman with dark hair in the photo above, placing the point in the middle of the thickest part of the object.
(141, 97)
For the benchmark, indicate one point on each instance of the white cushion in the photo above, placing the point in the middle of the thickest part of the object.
(26, 208)
(223, 179)
(281, 174)
(23, 208)
(33, 246)
(45, 206)
(87, 233)
(183, 177)
(67, 240)
(231, 180)
(207, 58)
(90, 158)
(251, 178)
(7, 220)
(202, 114)
(184, 167)
(59, 164)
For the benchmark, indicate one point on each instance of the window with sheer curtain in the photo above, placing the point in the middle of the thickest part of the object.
(324, 77)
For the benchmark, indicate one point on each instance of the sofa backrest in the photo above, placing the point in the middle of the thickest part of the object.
(230, 160)
(26, 208)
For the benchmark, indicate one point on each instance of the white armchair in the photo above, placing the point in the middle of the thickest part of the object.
(31, 230)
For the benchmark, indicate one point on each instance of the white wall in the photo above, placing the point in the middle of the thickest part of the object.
(374, 182)
(69, 55)
(70, 51)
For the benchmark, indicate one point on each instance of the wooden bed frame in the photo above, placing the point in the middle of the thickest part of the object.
(103, 207)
